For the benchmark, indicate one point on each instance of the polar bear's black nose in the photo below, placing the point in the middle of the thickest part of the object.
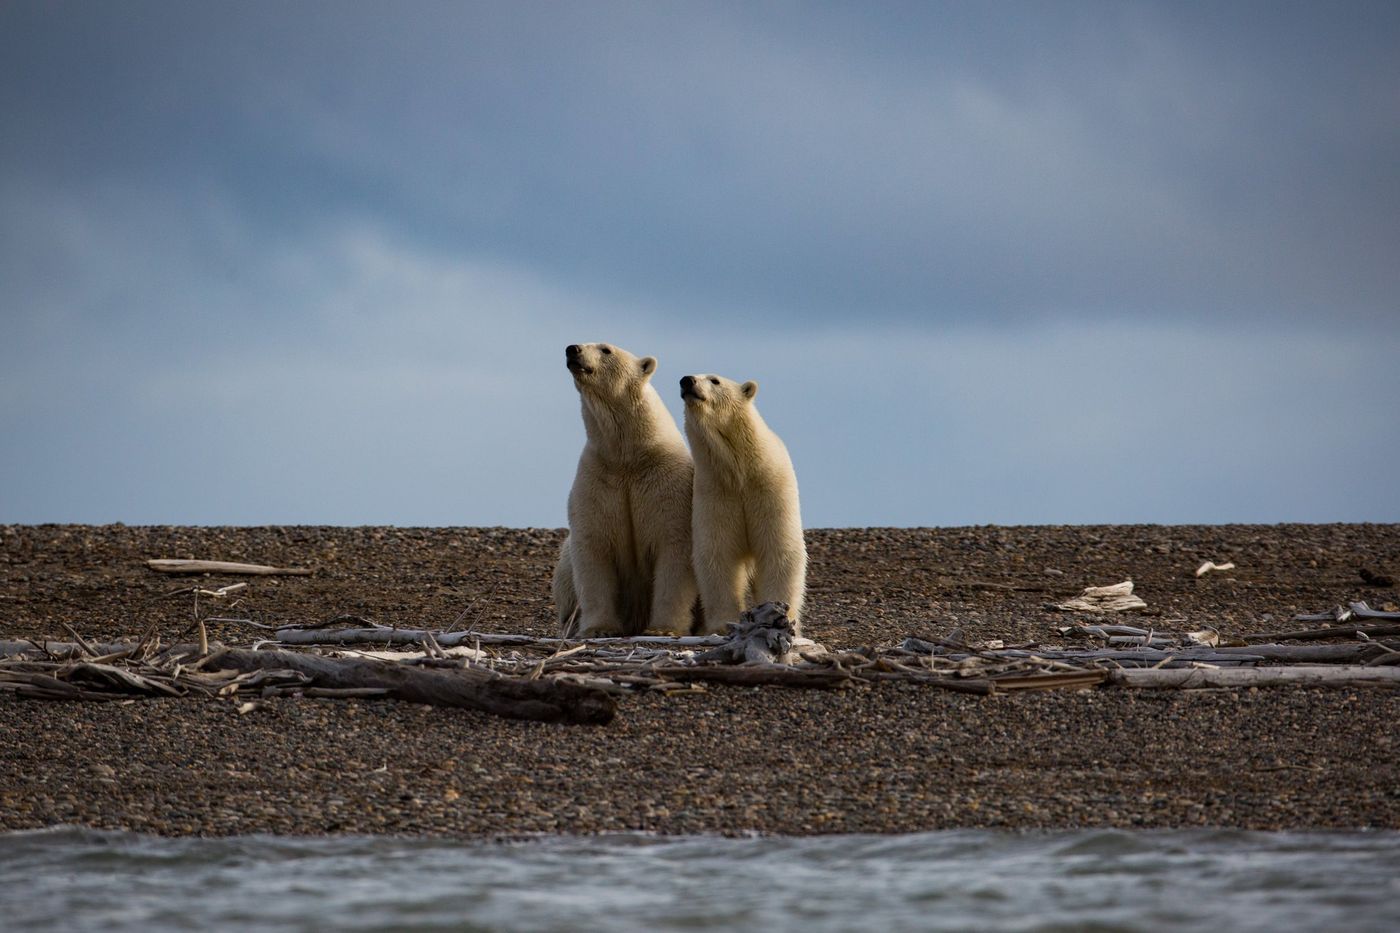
(573, 349)
(687, 382)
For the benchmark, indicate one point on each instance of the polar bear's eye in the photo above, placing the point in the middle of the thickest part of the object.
(606, 349)
(714, 381)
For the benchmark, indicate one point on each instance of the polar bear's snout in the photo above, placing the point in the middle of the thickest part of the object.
(573, 359)
(689, 389)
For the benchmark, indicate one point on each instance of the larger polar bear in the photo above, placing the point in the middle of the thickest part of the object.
(747, 526)
(625, 566)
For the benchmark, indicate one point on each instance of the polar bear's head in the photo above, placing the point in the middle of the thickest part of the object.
(708, 396)
(606, 371)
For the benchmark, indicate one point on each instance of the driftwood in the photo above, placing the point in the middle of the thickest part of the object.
(80, 670)
(1337, 631)
(743, 658)
(575, 680)
(163, 565)
(1057, 680)
(81, 680)
(56, 670)
(1151, 657)
(760, 650)
(1134, 635)
(1314, 654)
(981, 686)
(1356, 610)
(1300, 674)
(371, 636)
(1103, 631)
(1116, 598)
(61, 650)
(473, 688)
(763, 635)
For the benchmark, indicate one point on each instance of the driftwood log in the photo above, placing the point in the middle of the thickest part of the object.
(1297, 674)
(1355, 610)
(545, 700)
(1356, 652)
(1336, 631)
(371, 636)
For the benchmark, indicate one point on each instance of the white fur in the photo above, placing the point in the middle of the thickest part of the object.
(747, 539)
(626, 564)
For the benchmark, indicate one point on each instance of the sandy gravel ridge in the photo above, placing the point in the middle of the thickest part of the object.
(893, 758)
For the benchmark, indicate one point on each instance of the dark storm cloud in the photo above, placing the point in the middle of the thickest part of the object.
(316, 262)
(908, 161)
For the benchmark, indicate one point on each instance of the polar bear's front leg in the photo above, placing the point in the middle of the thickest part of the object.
(781, 576)
(721, 572)
(596, 582)
(565, 596)
(673, 592)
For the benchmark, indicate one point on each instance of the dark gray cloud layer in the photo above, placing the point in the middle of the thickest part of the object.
(271, 262)
(916, 161)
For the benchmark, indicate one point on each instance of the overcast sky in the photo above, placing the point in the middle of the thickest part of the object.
(293, 262)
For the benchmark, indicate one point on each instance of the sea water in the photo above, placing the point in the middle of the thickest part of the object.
(76, 879)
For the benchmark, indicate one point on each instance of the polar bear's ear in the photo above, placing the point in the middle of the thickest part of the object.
(750, 389)
(648, 364)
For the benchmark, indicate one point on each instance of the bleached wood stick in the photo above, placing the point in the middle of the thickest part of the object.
(61, 649)
(164, 565)
(1251, 655)
(1298, 675)
(1356, 610)
(1339, 631)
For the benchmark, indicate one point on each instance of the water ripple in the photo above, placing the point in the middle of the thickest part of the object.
(76, 879)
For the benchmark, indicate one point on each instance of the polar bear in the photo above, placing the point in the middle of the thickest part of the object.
(626, 564)
(747, 537)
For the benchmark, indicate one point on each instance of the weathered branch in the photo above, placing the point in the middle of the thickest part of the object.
(1355, 610)
(1149, 657)
(544, 699)
(1322, 675)
(163, 565)
(1337, 631)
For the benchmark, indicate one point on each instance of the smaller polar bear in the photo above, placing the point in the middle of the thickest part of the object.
(747, 539)
(625, 566)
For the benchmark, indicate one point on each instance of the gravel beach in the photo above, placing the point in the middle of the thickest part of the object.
(886, 758)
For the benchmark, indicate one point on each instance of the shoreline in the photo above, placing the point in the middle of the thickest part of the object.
(733, 761)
